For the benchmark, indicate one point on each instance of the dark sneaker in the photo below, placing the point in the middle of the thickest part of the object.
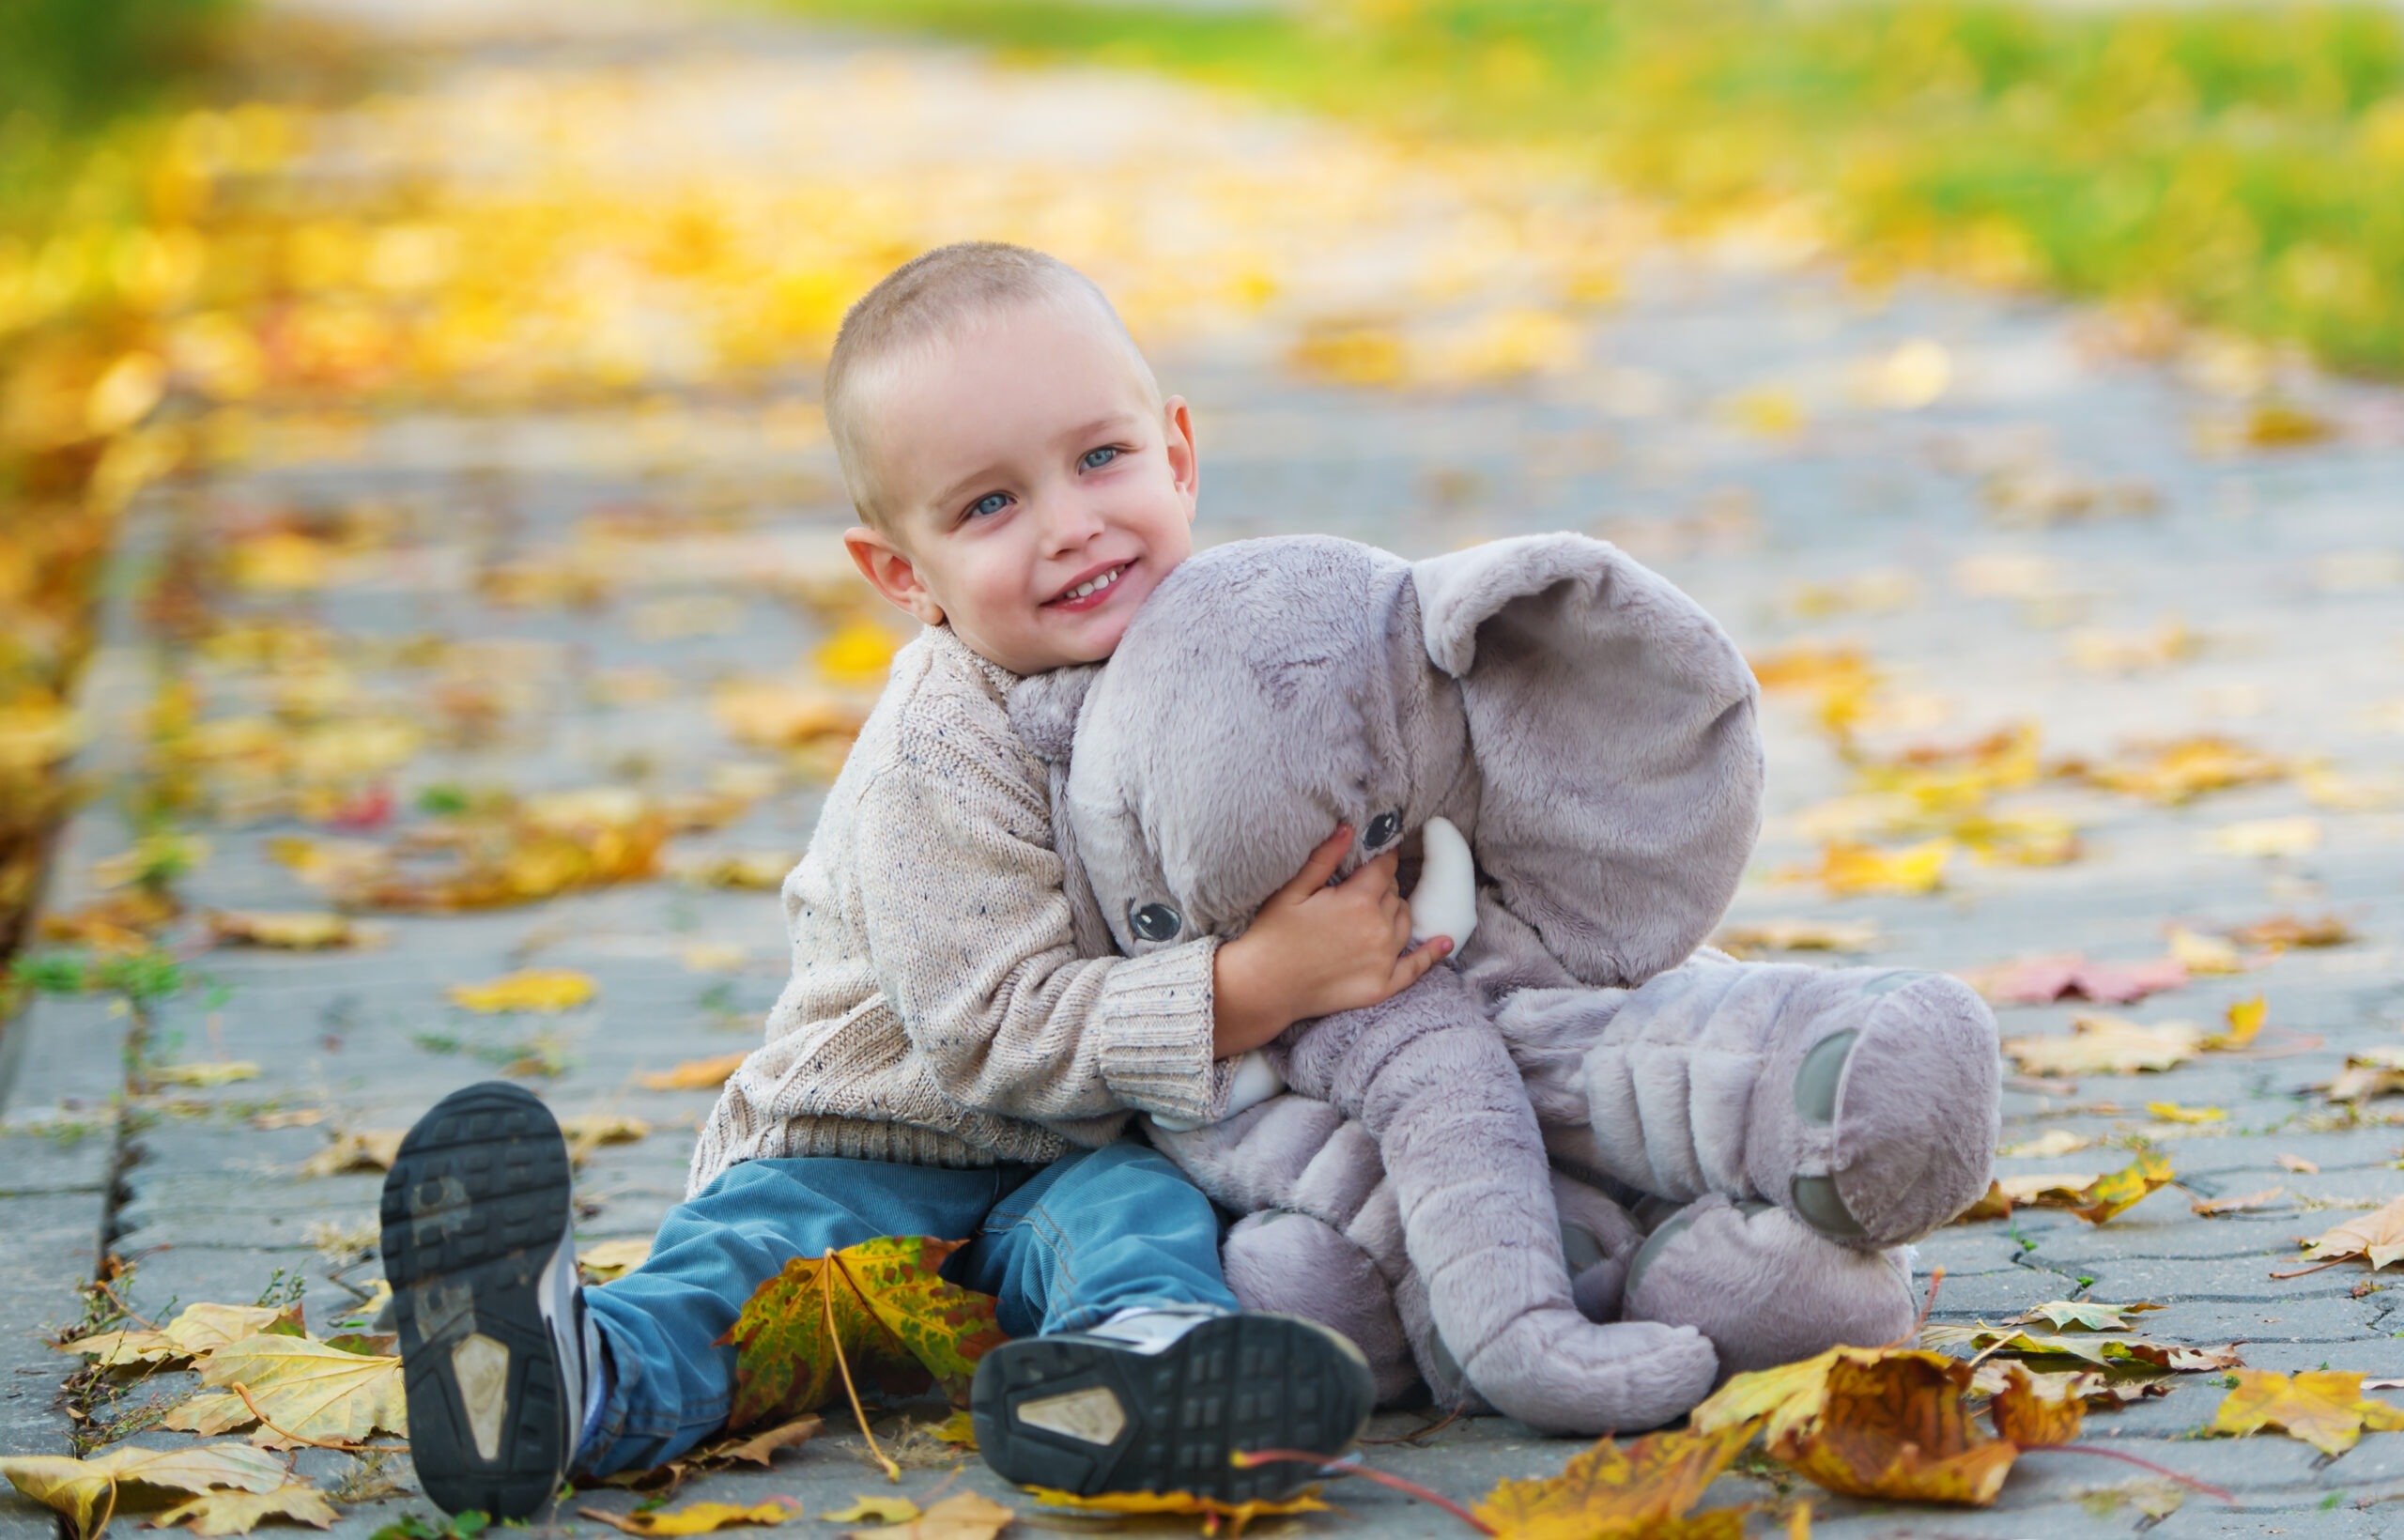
(1157, 1400)
(483, 1269)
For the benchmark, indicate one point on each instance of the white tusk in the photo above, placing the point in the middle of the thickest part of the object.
(1445, 902)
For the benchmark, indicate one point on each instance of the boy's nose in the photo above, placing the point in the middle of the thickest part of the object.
(1070, 522)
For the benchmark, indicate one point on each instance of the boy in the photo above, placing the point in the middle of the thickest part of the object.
(942, 1062)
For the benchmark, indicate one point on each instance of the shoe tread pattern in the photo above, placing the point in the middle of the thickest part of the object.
(473, 1208)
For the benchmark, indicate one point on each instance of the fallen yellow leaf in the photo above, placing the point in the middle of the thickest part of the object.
(2376, 1237)
(300, 930)
(86, 1491)
(533, 989)
(2325, 1407)
(611, 1259)
(310, 1393)
(215, 1073)
(1895, 1424)
(2049, 1144)
(1608, 1489)
(197, 1331)
(704, 1074)
(965, 1515)
(2106, 1044)
(2026, 1415)
(1798, 935)
(239, 1513)
(695, 1518)
(2202, 954)
(2172, 1112)
(858, 653)
(362, 1149)
(2209, 1207)
(772, 716)
(1847, 868)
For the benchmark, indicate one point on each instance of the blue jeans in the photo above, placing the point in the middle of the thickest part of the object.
(1061, 1247)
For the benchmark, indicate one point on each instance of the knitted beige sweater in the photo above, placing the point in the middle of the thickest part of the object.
(939, 1011)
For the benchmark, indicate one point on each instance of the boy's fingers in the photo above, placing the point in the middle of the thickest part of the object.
(1320, 865)
(1414, 963)
(1378, 871)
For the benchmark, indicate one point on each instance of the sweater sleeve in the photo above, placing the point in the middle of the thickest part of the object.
(962, 899)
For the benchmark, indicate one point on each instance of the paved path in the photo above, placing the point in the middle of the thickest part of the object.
(531, 572)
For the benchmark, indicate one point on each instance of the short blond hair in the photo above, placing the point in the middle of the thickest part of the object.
(916, 306)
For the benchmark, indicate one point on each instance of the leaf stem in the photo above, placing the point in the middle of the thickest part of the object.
(2204, 1486)
(268, 1423)
(835, 1346)
(1245, 1459)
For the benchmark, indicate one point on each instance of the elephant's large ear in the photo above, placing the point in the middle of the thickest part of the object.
(1613, 725)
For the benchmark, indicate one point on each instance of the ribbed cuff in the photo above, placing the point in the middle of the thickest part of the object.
(1157, 1025)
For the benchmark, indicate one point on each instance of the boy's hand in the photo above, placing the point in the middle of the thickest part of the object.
(1314, 950)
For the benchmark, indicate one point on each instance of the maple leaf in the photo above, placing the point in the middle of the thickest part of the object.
(1895, 1424)
(239, 1513)
(86, 1491)
(966, 1516)
(2245, 1017)
(2278, 933)
(2041, 980)
(2101, 1348)
(695, 1518)
(1847, 868)
(2103, 1044)
(1612, 1490)
(2325, 1407)
(533, 989)
(2026, 1415)
(2209, 1207)
(881, 1305)
(198, 1330)
(2084, 1314)
(2171, 773)
(2093, 1197)
(2376, 1237)
(2371, 1071)
(299, 930)
(305, 1391)
(701, 1074)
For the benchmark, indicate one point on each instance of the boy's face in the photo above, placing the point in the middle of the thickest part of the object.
(1020, 465)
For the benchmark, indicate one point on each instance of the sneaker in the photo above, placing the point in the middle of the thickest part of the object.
(1157, 1400)
(483, 1268)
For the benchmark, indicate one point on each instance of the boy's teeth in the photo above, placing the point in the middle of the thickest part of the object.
(1103, 581)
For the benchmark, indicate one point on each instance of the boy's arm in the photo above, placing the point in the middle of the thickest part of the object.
(970, 934)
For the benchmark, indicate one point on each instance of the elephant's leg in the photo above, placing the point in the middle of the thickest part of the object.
(1766, 1287)
(1433, 1081)
(1296, 1265)
(1865, 1100)
(1291, 1152)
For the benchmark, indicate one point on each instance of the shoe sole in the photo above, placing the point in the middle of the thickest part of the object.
(1237, 1383)
(475, 1207)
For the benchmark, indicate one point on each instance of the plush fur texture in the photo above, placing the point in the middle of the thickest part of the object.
(1590, 731)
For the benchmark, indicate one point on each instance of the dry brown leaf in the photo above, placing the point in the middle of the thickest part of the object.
(704, 1074)
(2298, 1164)
(201, 1075)
(1231, 1518)
(771, 715)
(2209, 1207)
(86, 1491)
(588, 1131)
(2325, 1407)
(2173, 773)
(2377, 1239)
(760, 1447)
(695, 1518)
(2105, 1349)
(760, 871)
(2103, 1044)
(1609, 1490)
(239, 1513)
(1897, 1425)
(532, 989)
(2027, 1415)
(2278, 933)
(2370, 1071)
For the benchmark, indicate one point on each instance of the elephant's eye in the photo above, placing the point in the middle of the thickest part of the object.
(1155, 922)
(1383, 829)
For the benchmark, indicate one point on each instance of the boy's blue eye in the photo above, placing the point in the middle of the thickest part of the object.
(992, 503)
(1096, 458)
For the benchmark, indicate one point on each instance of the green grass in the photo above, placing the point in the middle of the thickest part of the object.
(2242, 164)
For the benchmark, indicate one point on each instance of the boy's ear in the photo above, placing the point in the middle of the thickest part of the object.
(1185, 464)
(889, 571)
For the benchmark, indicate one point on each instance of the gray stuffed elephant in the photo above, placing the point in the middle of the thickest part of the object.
(1592, 732)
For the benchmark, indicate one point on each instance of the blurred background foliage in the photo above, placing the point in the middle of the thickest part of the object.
(2240, 165)
(85, 90)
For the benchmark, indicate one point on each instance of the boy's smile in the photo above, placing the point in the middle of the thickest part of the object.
(1032, 487)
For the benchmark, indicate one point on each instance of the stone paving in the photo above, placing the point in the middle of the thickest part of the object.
(1971, 490)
